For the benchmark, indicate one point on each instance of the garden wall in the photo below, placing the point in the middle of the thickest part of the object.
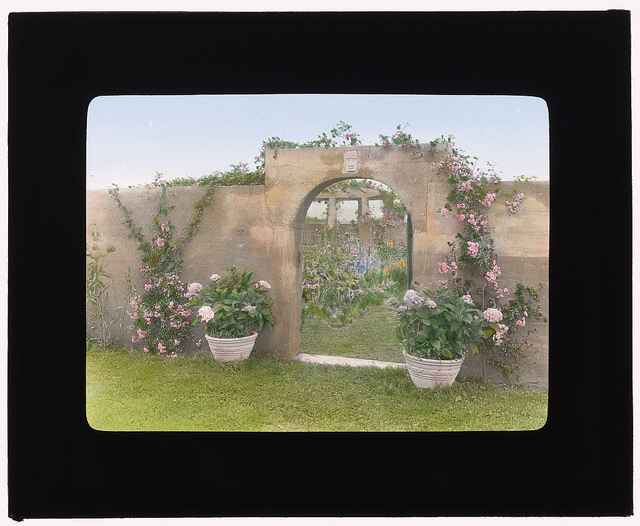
(260, 227)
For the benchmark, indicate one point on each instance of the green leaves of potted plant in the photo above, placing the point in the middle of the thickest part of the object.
(436, 330)
(232, 310)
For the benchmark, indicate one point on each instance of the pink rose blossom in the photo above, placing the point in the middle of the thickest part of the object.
(472, 249)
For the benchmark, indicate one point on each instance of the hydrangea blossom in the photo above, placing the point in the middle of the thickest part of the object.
(492, 315)
(411, 296)
(192, 288)
(215, 277)
(263, 283)
(431, 304)
(206, 313)
(248, 308)
(392, 301)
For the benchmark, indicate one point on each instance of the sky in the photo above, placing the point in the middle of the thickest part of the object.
(130, 138)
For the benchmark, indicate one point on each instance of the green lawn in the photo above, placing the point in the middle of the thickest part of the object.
(368, 336)
(130, 391)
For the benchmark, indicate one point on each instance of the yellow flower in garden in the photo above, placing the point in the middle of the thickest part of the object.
(328, 246)
(391, 244)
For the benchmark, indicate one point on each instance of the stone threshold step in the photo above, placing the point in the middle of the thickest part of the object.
(343, 360)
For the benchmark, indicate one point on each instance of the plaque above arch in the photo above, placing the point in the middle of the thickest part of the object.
(350, 162)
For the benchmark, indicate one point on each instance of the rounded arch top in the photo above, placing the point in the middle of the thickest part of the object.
(294, 177)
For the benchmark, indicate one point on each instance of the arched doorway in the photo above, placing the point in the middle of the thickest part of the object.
(293, 179)
(354, 271)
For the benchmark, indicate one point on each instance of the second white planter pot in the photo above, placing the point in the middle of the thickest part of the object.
(231, 349)
(428, 374)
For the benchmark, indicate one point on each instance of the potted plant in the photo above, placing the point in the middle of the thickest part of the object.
(436, 329)
(232, 310)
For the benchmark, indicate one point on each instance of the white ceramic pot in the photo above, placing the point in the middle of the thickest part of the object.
(231, 349)
(426, 373)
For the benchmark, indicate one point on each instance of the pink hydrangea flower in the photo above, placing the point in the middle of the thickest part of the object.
(145, 350)
(206, 313)
(192, 288)
(411, 296)
(148, 286)
(467, 298)
(248, 308)
(215, 277)
(263, 283)
(431, 304)
(160, 242)
(492, 315)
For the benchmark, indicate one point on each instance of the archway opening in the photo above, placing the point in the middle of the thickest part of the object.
(355, 266)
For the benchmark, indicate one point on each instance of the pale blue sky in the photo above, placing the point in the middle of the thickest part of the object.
(129, 138)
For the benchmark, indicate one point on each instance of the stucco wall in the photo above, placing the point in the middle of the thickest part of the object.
(260, 227)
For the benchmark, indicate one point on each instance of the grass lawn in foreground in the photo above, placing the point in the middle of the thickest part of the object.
(367, 336)
(130, 391)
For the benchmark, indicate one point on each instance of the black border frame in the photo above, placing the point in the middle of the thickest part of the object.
(579, 464)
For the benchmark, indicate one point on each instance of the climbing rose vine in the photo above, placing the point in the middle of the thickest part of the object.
(471, 266)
